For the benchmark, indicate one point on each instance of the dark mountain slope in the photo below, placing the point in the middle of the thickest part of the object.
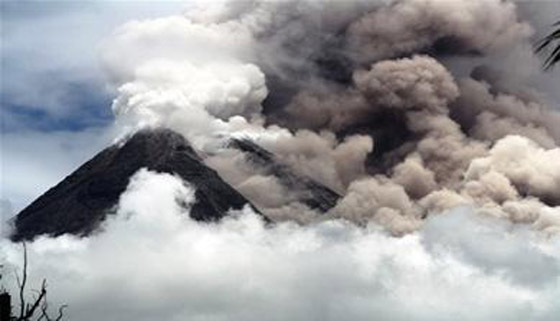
(82, 200)
(313, 194)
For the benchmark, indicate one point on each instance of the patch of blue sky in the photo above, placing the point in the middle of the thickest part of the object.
(55, 106)
(50, 75)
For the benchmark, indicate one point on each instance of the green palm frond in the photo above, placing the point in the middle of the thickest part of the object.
(550, 41)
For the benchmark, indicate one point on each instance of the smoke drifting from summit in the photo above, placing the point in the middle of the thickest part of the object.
(350, 94)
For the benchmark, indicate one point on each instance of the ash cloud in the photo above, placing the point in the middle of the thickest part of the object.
(399, 112)
(403, 27)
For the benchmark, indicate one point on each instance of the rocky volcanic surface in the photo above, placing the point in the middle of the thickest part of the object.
(79, 203)
(316, 196)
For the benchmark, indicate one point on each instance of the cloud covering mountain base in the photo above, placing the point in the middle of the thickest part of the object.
(152, 261)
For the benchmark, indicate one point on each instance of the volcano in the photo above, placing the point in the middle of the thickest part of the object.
(80, 202)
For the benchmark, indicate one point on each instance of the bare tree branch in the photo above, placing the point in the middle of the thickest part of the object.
(22, 283)
(42, 296)
(39, 303)
(45, 314)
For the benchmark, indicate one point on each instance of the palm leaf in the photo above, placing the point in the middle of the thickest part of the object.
(551, 41)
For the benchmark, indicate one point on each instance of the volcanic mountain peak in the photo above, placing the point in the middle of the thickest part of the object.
(80, 202)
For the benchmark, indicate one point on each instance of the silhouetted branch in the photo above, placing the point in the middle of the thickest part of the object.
(22, 283)
(46, 316)
(553, 39)
(29, 310)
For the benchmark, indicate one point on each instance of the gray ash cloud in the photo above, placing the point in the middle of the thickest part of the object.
(404, 94)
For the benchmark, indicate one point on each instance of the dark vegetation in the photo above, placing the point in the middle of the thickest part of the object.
(551, 45)
(36, 309)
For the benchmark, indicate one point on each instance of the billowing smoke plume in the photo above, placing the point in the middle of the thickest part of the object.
(358, 96)
(456, 27)
(396, 105)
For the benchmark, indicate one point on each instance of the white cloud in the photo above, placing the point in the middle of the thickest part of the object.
(153, 262)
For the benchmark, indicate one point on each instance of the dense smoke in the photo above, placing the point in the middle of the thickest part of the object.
(454, 26)
(394, 105)
(358, 96)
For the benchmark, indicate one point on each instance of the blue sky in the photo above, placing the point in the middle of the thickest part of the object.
(55, 104)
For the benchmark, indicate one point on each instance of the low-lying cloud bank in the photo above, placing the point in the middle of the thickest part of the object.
(151, 261)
